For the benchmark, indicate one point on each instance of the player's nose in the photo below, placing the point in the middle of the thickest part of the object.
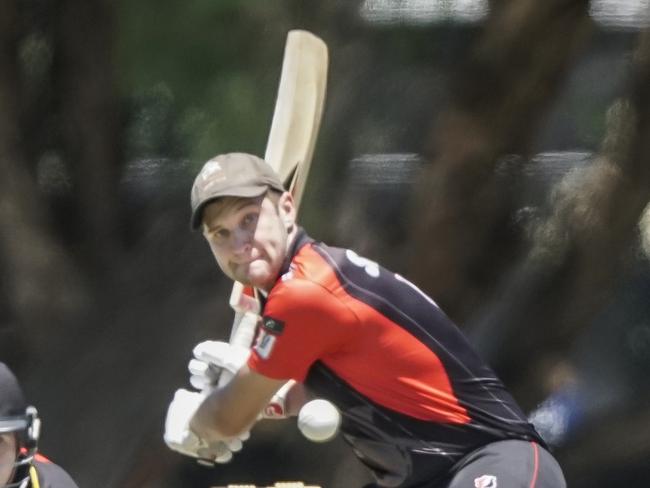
(241, 242)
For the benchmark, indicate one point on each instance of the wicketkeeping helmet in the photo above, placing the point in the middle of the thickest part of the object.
(18, 418)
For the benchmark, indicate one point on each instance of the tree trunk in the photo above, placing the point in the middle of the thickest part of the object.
(42, 282)
(579, 252)
(509, 81)
(89, 115)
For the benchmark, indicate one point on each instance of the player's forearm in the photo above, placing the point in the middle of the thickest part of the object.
(232, 409)
(216, 419)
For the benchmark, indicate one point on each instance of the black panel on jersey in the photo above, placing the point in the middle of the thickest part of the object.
(475, 385)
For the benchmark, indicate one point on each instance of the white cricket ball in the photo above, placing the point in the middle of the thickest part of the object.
(319, 420)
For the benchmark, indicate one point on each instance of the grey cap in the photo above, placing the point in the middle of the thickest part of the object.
(231, 175)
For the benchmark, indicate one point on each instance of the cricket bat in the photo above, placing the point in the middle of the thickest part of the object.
(290, 147)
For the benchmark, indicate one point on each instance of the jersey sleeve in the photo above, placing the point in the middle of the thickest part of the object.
(302, 323)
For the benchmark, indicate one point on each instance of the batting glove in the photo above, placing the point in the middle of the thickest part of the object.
(212, 359)
(180, 438)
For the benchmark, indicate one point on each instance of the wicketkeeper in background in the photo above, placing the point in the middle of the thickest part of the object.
(20, 464)
(418, 405)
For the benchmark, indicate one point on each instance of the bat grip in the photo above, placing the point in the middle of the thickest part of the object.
(243, 333)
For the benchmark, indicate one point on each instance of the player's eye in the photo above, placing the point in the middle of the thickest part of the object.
(249, 221)
(220, 236)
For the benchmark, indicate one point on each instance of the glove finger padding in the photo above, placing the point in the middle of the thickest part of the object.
(220, 452)
(198, 367)
(181, 410)
(200, 382)
(222, 355)
(203, 375)
(217, 452)
(235, 444)
(180, 438)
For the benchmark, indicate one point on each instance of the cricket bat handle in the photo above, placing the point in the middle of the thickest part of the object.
(243, 333)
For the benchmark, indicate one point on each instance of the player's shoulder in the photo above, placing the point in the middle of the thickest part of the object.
(52, 475)
(307, 254)
(297, 283)
(349, 265)
(308, 277)
(314, 260)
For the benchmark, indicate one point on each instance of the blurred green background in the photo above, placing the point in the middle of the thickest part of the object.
(496, 152)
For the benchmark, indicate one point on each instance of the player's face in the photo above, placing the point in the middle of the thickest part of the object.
(249, 237)
(8, 453)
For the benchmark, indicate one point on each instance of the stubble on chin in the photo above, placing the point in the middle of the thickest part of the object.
(239, 274)
(247, 276)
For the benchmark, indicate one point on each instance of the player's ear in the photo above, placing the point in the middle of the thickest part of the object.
(287, 209)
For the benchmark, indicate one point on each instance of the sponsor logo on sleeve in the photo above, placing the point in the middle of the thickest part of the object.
(272, 325)
(270, 331)
(485, 481)
(264, 344)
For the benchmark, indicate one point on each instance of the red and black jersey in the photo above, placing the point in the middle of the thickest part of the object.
(414, 396)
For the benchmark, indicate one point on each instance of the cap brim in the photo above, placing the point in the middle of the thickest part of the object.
(241, 192)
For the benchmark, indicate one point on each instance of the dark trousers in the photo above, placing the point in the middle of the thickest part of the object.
(508, 464)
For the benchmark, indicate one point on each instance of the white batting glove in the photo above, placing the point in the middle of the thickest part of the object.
(180, 438)
(203, 376)
(211, 359)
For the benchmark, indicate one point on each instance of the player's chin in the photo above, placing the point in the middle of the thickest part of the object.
(260, 281)
(260, 277)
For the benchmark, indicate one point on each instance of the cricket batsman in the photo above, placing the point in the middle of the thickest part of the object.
(418, 405)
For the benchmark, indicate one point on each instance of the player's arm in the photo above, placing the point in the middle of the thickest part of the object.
(293, 398)
(232, 409)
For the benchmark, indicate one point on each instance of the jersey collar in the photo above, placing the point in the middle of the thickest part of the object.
(299, 241)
